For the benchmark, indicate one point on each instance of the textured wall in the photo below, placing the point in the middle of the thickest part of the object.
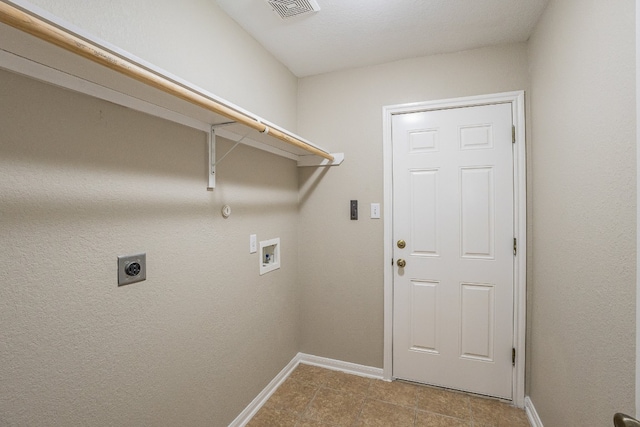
(341, 261)
(196, 41)
(83, 181)
(582, 301)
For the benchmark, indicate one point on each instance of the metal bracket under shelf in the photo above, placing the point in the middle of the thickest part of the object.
(212, 160)
(303, 160)
(310, 160)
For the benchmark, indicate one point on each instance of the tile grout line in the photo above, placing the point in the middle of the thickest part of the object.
(366, 396)
(415, 409)
(302, 418)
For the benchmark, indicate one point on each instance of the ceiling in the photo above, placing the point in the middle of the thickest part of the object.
(355, 33)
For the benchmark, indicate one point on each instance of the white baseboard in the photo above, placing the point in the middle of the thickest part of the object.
(255, 405)
(534, 419)
(338, 365)
(323, 362)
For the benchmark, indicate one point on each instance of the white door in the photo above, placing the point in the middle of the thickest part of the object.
(453, 208)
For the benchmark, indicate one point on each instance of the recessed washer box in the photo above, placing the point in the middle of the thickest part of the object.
(269, 255)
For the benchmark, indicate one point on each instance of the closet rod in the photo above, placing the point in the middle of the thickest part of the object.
(41, 29)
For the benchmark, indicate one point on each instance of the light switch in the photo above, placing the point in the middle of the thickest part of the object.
(253, 244)
(375, 210)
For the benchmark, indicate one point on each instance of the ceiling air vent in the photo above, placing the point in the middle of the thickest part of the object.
(290, 8)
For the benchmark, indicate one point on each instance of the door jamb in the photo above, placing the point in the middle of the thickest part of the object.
(516, 99)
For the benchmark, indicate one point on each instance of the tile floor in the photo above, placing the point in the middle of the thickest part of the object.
(317, 397)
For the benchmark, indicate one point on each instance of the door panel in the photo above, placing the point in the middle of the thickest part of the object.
(477, 209)
(477, 329)
(453, 205)
(424, 196)
(424, 317)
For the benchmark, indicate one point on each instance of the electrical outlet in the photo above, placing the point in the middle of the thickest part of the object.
(132, 269)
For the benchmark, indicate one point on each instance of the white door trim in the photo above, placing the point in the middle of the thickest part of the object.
(637, 373)
(520, 223)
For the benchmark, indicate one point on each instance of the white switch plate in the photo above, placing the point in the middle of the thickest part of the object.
(375, 210)
(253, 244)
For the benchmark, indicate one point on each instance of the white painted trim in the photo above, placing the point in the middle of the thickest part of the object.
(637, 379)
(387, 157)
(337, 365)
(520, 230)
(532, 415)
(245, 416)
(520, 219)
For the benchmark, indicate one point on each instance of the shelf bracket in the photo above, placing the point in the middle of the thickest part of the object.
(212, 156)
(303, 161)
(212, 159)
(315, 161)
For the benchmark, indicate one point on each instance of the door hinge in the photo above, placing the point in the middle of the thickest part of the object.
(513, 356)
(515, 246)
(513, 134)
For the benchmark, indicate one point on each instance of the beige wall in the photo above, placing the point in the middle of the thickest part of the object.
(341, 261)
(196, 41)
(582, 301)
(204, 334)
(83, 181)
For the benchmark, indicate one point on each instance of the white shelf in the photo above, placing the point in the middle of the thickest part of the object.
(36, 58)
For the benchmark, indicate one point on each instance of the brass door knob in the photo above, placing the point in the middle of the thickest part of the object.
(401, 263)
(402, 244)
(622, 420)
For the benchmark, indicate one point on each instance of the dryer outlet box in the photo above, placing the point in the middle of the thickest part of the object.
(132, 269)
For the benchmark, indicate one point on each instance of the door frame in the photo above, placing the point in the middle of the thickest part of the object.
(516, 99)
